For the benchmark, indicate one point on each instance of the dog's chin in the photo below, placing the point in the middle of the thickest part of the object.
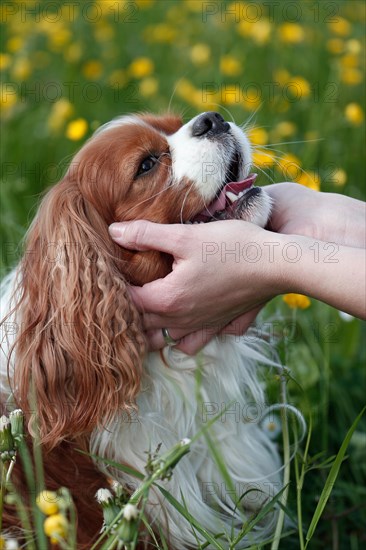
(254, 207)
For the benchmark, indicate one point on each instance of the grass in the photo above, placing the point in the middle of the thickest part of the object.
(301, 88)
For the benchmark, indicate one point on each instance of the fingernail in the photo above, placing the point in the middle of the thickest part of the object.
(115, 230)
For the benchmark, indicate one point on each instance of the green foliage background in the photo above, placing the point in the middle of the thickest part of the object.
(91, 61)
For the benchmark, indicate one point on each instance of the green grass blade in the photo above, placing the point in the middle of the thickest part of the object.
(178, 506)
(332, 476)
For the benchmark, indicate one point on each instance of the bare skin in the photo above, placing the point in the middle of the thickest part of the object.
(315, 246)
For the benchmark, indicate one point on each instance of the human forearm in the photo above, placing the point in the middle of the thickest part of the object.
(333, 274)
(328, 217)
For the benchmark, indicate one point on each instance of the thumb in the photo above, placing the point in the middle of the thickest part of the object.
(144, 235)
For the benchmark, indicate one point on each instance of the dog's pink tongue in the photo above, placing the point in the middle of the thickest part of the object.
(219, 204)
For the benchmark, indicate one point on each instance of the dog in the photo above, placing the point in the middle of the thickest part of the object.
(73, 345)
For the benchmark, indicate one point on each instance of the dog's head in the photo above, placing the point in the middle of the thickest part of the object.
(81, 344)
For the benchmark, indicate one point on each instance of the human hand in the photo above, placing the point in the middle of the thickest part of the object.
(227, 258)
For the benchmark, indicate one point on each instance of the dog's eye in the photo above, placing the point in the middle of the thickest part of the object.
(146, 165)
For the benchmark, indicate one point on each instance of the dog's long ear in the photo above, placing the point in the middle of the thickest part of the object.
(79, 352)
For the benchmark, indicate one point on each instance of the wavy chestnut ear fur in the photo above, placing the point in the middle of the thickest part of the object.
(79, 353)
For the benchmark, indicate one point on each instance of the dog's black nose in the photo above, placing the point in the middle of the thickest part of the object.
(210, 124)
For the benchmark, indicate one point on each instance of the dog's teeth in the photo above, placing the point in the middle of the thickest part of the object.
(231, 196)
(240, 194)
(188, 223)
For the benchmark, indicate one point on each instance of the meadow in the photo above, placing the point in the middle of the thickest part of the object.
(293, 73)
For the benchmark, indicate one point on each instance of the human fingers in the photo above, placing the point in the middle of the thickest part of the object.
(145, 235)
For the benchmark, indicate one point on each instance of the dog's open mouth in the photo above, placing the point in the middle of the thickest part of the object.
(226, 196)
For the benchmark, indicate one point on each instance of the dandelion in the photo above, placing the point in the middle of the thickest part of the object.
(291, 33)
(61, 111)
(73, 53)
(335, 45)
(263, 158)
(272, 426)
(285, 129)
(76, 129)
(258, 136)
(339, 177)
(144, 4)
(200, 54)
(354, 114)
(109, 506)
(22, 69)
(281, 76)
(163, 33)
(230, 66)
(5, 61)
(309, 179)
(47, 502)
(340, 26)
(56, 527)
(14, 44)
(149, 86)
(118, 78)
(141, 67)
(184, 89)
(297, 301)
(301, 85)
(290, 166)
(353, 46)
(261, 31)
(92, 70)
(351, 77)
(58, 39)
(17, 424)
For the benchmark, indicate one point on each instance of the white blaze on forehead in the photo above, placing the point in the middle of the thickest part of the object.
(205, 161)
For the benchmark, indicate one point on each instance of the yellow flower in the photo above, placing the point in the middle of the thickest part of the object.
(73, 53)
(354, 114)
(47, 502)
(285, 129)
(200, 54)
(261, 31)
(104, 32)
(92, 70)
(290, 166)
(296, 301)
(14, 44)
(230, 66)
(8, 96)
(140, 67)
(5, 61)
(258, 136)
(339, 177)
(335, 45)
(148, 86)
(118, 78)
(351, 77)
(22, 69)
(281, 76)
(299, 87)
(76, 129)
(250, 103)
(61, 111)
(309, 179)
(263, 158)
(340, 26)
(184, 89)
(353, 46)
(56, 526)
(162, 33)
(58, 39)
(291, 33)
(349, 60)
(230, 94)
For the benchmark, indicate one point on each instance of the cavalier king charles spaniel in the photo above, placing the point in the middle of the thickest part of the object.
(74, 356)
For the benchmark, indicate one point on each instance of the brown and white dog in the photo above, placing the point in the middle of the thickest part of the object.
(72, 336)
